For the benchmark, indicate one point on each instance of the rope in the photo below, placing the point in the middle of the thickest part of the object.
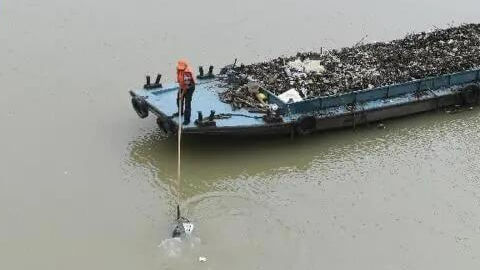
(239, 114)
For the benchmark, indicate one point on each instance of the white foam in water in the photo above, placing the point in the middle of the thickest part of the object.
(174, 247)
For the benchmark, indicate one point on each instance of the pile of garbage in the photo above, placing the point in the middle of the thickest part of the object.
(362, 66)
(247, 95)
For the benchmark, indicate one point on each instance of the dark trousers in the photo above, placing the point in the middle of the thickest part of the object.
(187, 103)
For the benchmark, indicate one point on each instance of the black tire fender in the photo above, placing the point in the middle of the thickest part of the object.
(140, 106)
(306, 125)
(471, 94)
(165, 126)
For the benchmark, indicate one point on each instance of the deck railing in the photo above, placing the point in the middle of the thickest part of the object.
(384, 92)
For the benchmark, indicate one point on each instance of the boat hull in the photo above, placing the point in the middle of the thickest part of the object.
(310, 116)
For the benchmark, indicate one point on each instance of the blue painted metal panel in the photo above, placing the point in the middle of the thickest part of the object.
(401, 89)
(205, 99)
(464, 77)
(347, 98)
(439, 82)
(384, 92)
(305, 106)
(426, 84)
(273, 99)
(367, 95)
(331, 101)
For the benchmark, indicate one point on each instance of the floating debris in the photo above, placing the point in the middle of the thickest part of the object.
(333, 72)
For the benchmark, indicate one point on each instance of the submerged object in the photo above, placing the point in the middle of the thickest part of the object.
(183, 227)
(357, 85)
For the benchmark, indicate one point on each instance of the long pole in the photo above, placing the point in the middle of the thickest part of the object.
(180, 109)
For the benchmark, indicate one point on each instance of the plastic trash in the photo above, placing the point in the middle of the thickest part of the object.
(188, 227)
(307, 66)
(202, 259)
(367, 66)
(253, 87)
(273, 107)
(313, 66)
(291, 95)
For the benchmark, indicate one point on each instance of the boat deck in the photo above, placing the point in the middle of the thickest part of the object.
(205, 99)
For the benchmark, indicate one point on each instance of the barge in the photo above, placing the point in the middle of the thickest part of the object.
(213, 117)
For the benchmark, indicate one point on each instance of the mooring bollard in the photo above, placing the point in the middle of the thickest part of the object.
(159, 76)
(212, 115)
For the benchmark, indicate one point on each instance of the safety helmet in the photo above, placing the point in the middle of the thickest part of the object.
(182, 64)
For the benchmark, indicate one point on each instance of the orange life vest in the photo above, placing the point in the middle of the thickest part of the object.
(185, 77)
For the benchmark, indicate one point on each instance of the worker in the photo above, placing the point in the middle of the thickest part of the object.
(186, 81)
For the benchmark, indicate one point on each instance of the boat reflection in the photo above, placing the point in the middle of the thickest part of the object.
(208, 161)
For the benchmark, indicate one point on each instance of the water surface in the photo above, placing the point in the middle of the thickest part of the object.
(85, 184)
